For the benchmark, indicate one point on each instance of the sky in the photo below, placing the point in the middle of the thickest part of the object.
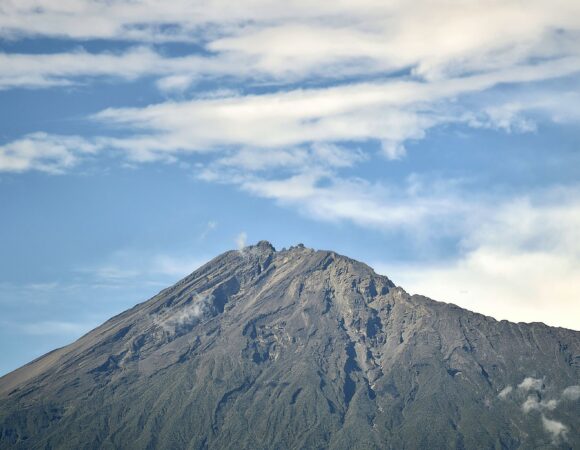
(437, 141)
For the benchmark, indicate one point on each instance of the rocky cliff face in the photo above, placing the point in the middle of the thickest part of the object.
(299, 348)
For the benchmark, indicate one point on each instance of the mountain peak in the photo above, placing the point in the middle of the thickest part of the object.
(265, 245)
(257, 345)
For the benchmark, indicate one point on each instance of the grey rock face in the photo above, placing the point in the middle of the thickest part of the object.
(298, 349)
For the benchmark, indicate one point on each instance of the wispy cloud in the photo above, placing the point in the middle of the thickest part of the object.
(44, 70)
(503, 394)
(532, 403)
(46, 153)
(340, 38)
(571, 393)
(391, 112)
(174, 320)
(91, 294)
(531, 384)
(509, 252)
(175, 266)
(128, 266)
(209, 227)
(51, 327)
(557, 429)
(323, 196)
(241, 240)
(175, 74)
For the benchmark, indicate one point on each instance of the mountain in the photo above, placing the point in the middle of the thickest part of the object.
(298, 349)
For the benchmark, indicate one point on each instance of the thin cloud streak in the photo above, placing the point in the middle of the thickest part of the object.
(392, 112)
(258, 40)
(45, 153)
(51, 327)
(35, 71)
(384, 34)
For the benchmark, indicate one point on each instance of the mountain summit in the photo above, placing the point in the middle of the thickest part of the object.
(298, 349)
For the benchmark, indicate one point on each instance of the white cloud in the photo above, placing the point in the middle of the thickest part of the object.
(277, 129)
(342, 37)
(175, 83)
(531, 384)
(241, 240)
(571, 393)
(505, 392)
(390, 111)
(41, 70)
(38, 70)
(532, 403)
(248, 160)
(209, 227)
(299, 42)
(393, 149)
(422, 34)
(520, 262)
(172, 320)
(506, 117)
(322, 196)
(535, 403)
(557, 429)
(46, 153)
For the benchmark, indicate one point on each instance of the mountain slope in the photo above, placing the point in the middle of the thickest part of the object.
(299, 348)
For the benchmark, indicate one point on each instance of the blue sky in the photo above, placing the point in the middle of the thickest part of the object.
(437, 141)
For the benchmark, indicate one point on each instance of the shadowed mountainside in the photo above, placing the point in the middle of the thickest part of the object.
(260, 349)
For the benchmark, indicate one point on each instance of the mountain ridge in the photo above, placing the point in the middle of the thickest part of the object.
(299, 336)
